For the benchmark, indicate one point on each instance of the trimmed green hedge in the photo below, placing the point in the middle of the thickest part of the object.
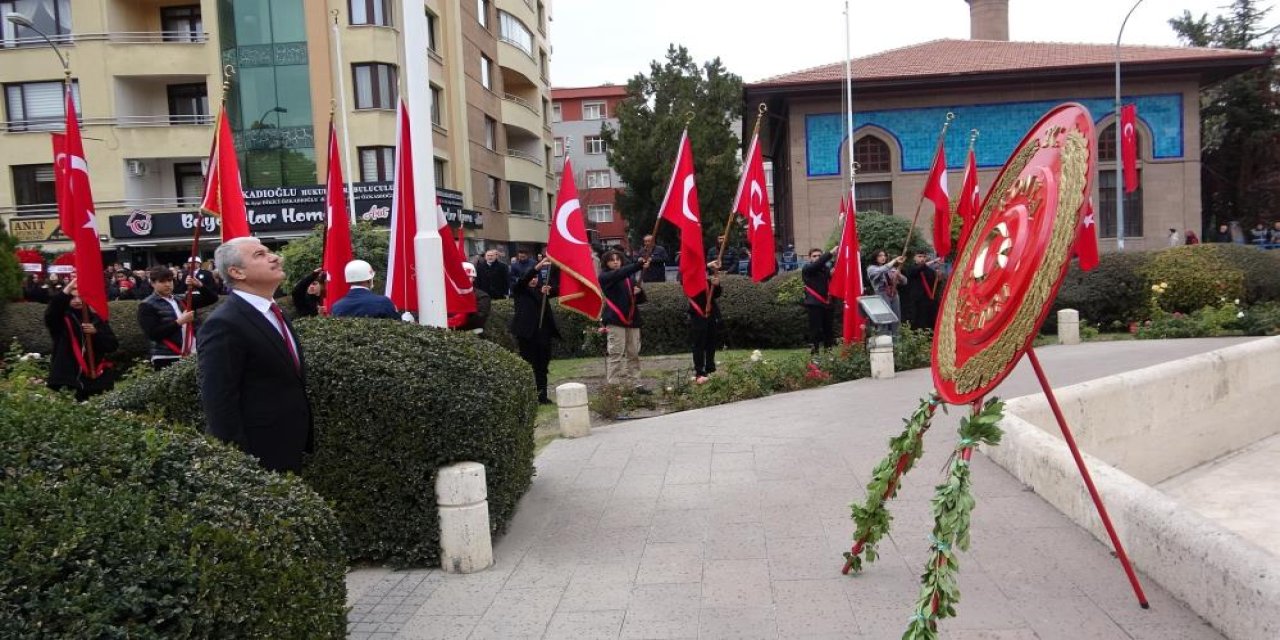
(24, 321)
(1111, 296)
(392, 402)
(116, 528)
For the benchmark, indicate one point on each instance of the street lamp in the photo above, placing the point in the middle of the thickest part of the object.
(262, 120)
(22, 21)
(1119, 133)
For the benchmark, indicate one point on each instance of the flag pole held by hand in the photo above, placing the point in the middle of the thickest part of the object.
(942, 135)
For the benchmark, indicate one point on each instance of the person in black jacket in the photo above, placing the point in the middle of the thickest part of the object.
(162, 318)
(704, 323)
(493, 276)
(533, 324)
(475, 320)
(816, 275)
(307, 295)
(69, 366)
(621, 319)
(922, 293)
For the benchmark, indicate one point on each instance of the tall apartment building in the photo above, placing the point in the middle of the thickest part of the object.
(578, 115)
(148, 75)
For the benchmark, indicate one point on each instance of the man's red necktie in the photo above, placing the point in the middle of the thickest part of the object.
(284, 334)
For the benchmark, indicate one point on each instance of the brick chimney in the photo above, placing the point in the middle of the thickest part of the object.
(988, 19)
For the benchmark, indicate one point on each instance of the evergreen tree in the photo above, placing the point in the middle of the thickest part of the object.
(643, 148)
(1240, 124)
(10, 270)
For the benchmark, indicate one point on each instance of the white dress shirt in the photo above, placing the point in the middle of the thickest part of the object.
(263, 305)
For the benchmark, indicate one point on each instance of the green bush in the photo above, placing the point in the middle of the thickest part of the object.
(24, 321)
(1261, 269)
(392, 402)
(880, 231)
(1217, 320)
(574, 328)
(10, 270)
(1261, 319)
(1111, 296)
(1197, 276)
(117, 528)
(368, 243)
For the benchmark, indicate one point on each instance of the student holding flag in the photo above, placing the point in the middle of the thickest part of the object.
(817, 300)
(704, 325)
(533, 323)
(621, 319)
(73, 337)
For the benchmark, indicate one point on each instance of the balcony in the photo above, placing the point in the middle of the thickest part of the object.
(521, 166)
(158, 140)
(516, 112)
(123, 52)
(513, 57)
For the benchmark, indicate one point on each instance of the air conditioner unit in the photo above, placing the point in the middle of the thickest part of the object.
(136, 168)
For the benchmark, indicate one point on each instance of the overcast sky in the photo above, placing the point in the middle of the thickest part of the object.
(601, 41)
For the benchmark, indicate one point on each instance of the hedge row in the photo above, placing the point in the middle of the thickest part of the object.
(115, 527)
(24, 322)
(392, 403)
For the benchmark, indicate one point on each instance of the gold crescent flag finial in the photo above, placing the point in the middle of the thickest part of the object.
(762, 108)
(227, 72)
(334, 13)
(950, 116)
(688, 117)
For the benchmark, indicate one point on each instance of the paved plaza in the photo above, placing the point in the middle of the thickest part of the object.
(729, 522)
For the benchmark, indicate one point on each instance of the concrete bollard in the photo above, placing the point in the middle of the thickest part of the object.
(575, 417)
(461, 497)
(1068, 326)
(882, 357)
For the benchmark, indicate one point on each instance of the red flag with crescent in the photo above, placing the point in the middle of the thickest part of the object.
(1129, 145)
(1086, 247)
(568, 248)
(337, 233)
(402, 286)
(846, 277)
(223, 197)
(935, 189)
(61, 169)
(970, 198)
(81, 218)
(459, 294)
(752, 203)
(680, 208)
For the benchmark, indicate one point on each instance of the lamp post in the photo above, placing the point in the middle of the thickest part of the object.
(17, 19)
(1119, 156)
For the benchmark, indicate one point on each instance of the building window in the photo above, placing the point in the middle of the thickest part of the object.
(874, 196)
(1107, 205)
(181, 24)
(542, 64)
(482, 12)
(490, 133)
(377, 164)
(376, 85)
(559, 147)
(438, 165)
(513, 32)
(495, 189)
(594, 145)
(598, 179)
(871, 154)
(51, 17)
(526, 199)
(432, 26)
(600, 213)
(188, 182)
(33, 185)
(486, 72)
(437, 99)
(1107, 144)
(555, 112)
(188, 103)
(38, 106)
(542, 17)
(593, 111)
(370, 12)
(546, 113)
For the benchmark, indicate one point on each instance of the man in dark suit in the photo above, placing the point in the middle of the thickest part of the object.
(252, 371)
(492, 276)
(360, 302)
(533, 324)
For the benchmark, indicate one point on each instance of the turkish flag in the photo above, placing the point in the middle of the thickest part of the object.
(81, 218)
(61, 179)
(402, 286)
(337, 229)
(846, 277)
(752, 203)
(680, 207)
(935, 189)
(459, 294)
(1129, 145)
(568, 248)
(970, 198)
(223, 197)
(1086, 247)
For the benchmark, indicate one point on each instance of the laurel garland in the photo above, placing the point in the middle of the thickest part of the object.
(871, 518)
(952, 504)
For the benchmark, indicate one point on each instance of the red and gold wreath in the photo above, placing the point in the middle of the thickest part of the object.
(1009, 270)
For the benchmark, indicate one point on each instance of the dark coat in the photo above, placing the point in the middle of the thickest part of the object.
(305, 305)
(363, 303)
(817, 276)
(921, 295)
(494, 279)
(698, 320)
(616, 285)
(160, 325)
(476, 319)
(657, 271)
(529, 305)
(517, 269)
(64, 367)
(253, 396)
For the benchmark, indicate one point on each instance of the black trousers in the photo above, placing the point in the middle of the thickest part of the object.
(703, 336)
(537, 352)
(821, 327)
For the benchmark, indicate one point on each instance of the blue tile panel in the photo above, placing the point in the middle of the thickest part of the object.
(1001, 126)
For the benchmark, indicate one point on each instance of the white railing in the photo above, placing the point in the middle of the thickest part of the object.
(55, 123)
(527, 157)
(106, 207)
(161, 120)
(522, 102)
(115, 37)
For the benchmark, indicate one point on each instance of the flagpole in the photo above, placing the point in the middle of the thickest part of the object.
(92, 373)
(728, 224)
(942, 135)
(428, 252)
(688, 118)
(848, 93)
(346, 135)
(328, 215)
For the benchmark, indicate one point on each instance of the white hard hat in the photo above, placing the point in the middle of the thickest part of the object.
(358, 271)
(469, 268)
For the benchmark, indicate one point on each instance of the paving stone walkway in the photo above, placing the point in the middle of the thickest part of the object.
(729, 522)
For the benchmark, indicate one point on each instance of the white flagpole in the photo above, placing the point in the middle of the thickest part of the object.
(427, 248)
(848, 94)
(342, 100)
